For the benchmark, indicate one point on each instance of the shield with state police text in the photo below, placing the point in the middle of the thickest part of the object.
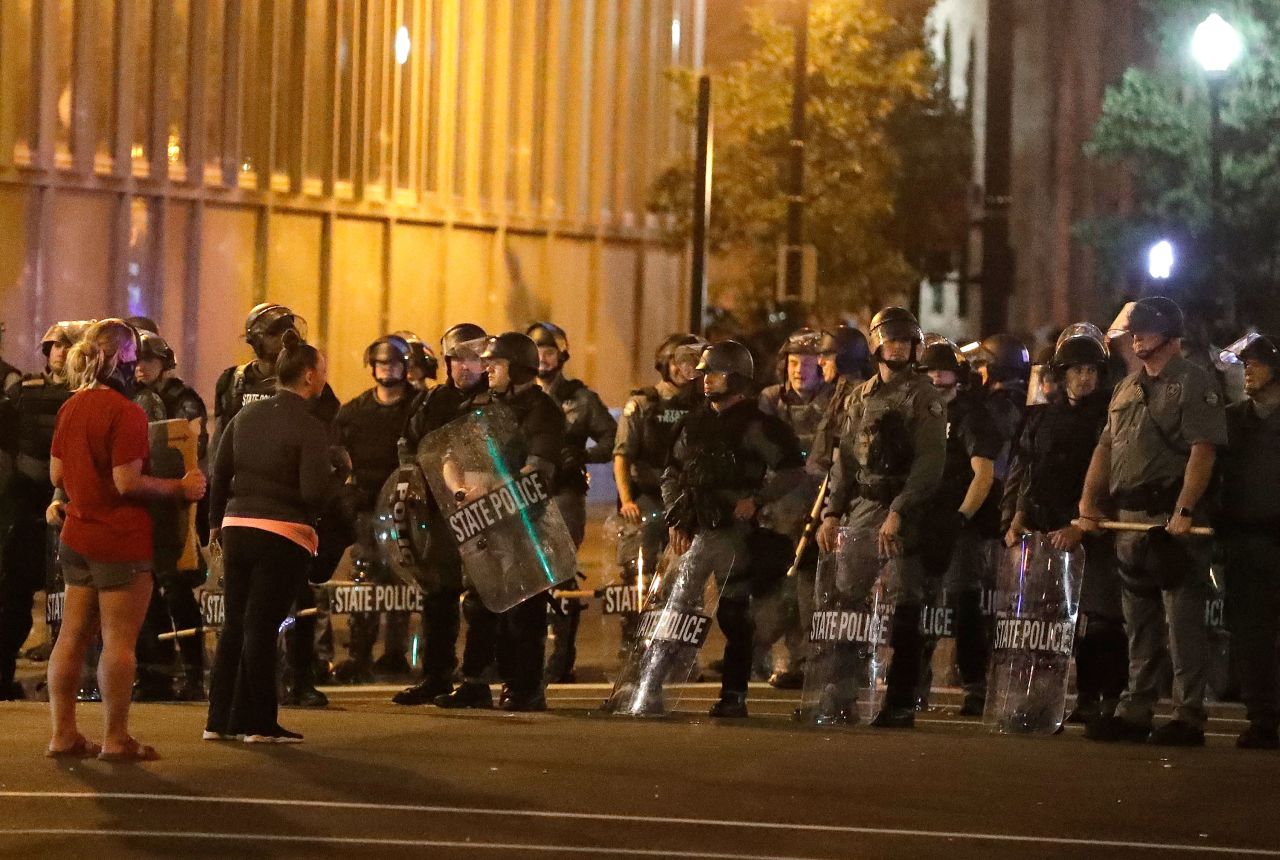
(673, 625)
(402, 525)
(1037, 603)
(174, 452)
(501, 514)
(848, 632)
(632, 551)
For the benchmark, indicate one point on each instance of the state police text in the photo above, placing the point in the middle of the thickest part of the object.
(1032, 634)
(366, 597)
(509, 500)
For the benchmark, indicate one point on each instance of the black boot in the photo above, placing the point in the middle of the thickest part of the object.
(470, 694)
(424, 692)
(731, 706)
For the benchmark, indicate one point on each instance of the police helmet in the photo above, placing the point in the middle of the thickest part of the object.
(153, 346)
(421, 356)
(269, 319)
(64, 332)
(1081, 343)
(1259, 347)
(1152, 315)
(803, 341)
(516, 347)
(729, 357)
(849, 346)
(1009, 359)
(677, 346)
(462, 340)
(143, 324)
(389, 347)
(550, 334)
(941, 354)
(893, 323)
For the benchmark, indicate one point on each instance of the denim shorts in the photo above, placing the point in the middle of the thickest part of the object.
(100, 575)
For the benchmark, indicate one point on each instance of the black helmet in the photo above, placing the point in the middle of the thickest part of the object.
(893, 323)
(1152, 315)
(64, 332)
(143, 324)
(1080, 343)
(466, 336)
(420, 355)
(1260, 347)
(729, 357)
(803, 341)
(666, 351)
(389, 347)
(515, 347)
(1009, 359)
(849, 346)
(941, 354)
(152, 345)
(550, 334)
(269, 319)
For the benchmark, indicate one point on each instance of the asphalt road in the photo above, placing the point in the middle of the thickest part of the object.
(376, 779)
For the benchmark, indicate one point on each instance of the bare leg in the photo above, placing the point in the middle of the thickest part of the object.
(79, 627)
(123, 610)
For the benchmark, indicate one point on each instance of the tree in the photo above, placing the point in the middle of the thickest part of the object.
(1155, 121)
(887, 154)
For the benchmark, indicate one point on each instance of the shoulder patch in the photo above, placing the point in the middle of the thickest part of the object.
(935, 408)
(1211, 398)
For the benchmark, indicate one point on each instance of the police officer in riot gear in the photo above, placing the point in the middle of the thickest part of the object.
(369, 427)
(845, 361)
(959, 514)
(1054, 451)
(517, 637)
(1155, 458)
(801, 401)
(27, 419)
(423, 366)
(729, 460)
(173, 603)
(889, 463)
(645, 433)
(587, 420)
(1249, 527)
(461, 347)
(9, 375)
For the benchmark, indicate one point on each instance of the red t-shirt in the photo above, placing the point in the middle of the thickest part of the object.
(99, 429)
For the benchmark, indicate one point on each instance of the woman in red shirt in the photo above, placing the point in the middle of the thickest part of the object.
(99, 449)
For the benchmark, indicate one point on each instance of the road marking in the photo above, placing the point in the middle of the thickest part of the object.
(975, 836)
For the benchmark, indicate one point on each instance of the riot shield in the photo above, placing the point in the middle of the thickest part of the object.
(512, 539)
(631, 553)
(402, 526)
(1037, 602)
(173, 453)
(671, 630)
(848, 632)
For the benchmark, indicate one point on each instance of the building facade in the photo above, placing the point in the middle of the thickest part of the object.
(374, 164)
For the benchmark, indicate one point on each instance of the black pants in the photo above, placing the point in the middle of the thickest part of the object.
(23, 570)
(173, 607)
(734, 617)
(517, 637)
(263, 575)
(441, 620)
(1253, 615)
(1102, 660)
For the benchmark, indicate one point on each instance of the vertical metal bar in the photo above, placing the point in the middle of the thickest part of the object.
(44, 36)
(158, 139)
(1216, 285)
(795, 186)
(329, 157)
(194, 144)
(295, 125)
(232, 94)
(85, 78)
(701, 208)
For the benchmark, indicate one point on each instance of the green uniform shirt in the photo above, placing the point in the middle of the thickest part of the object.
(1153, 422)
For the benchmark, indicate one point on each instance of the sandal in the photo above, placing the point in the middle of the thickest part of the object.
(82, 748)
(133, 751)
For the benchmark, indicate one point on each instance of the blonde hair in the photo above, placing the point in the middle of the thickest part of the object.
(93, 357)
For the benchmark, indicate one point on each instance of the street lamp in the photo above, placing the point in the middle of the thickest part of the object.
(1216, 46)
(1160, 260)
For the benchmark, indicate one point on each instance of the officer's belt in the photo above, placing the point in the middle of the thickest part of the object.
(1149, 500)
(883, 492)
(33, 468)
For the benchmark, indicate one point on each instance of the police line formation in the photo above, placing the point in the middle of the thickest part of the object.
(892, 489)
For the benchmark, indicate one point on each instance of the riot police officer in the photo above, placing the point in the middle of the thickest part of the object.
(369, 428)
(423, 365)
(9, 375)
(1248, 528)
(441, 579)
(729, 459)
(173, 602)
(1053, 454)
(956, 556)
(516, 637)
(645, 434)
(587, 420)
(28, 420)
(1155, 457)
(889, 463)
(800, 400)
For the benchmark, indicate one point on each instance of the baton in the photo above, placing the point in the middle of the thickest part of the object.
(192, 631)
(1118, 526)
(807, 534)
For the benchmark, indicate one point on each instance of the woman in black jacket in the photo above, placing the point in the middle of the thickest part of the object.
(273, 474)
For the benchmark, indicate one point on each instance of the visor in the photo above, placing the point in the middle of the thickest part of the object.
(470, 349)
(1233, 353)
(1083, 330)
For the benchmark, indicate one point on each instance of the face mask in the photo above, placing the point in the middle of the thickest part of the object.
(122, 379)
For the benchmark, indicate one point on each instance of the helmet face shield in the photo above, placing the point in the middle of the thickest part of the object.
(803, 342)
(1082, 330)
(469, 350)
(1252, 345)
(895, 329)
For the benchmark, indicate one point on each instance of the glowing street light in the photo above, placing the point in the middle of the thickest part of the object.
(1216, 45)
(1160, 260)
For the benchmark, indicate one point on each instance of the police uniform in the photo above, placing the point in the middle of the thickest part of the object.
(1151, 425)
(890, 458)
(587, 420)
(30, 416)
(369, 430)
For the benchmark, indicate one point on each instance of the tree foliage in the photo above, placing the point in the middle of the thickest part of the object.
(886, 160)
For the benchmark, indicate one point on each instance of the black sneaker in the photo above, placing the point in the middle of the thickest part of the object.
(276, 736)
(1113, 729)
(306, 697)
(424, 692)
(1085, 711)
(468, 695)
(973, 705)
(524, 702)
(787, 680)
(895, 718)
(732, 706)
(1176, 733)
(1259, 737)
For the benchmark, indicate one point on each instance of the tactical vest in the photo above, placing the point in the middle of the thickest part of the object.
(37, 401)
(247, 385)
(572, 475)
(661, 418)
(802, 417)
(1062, 438)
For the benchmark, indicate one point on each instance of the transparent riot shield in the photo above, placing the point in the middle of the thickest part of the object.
(631, 553)
(1037, 602)
(512, 539)
(401, 525)
(848, 632)
(671, 630)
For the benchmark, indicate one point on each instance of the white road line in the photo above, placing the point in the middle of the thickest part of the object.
(976, 836)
